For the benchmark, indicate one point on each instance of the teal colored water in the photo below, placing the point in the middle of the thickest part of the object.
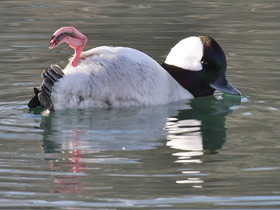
(219, 152)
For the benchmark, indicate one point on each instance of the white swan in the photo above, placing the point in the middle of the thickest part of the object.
(119, 76)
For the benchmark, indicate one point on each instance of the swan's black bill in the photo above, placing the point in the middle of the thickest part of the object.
(222, 84)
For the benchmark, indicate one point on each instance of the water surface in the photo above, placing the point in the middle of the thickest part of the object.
(218, 152)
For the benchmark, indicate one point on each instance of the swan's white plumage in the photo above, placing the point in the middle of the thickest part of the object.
(186, 54)
(115, 77)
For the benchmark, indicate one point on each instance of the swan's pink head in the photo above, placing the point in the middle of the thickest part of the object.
(74, 38)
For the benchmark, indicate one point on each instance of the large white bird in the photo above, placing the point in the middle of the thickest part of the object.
(120, 77)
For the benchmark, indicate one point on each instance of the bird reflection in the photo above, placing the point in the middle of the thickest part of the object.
(197, 131)
(72, 164)
(190, 129)
(76, 138)
(65, 156)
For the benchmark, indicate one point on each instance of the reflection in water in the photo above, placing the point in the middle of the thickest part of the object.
(198, 131)
(71, 163)
(245, 173)
(83, 136)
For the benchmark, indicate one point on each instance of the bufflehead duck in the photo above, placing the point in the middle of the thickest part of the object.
(199, 65)
(106, 77)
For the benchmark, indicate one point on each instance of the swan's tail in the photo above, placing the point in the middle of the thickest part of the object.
(43, 97)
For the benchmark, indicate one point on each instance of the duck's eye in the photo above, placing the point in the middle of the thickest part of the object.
(204, 62)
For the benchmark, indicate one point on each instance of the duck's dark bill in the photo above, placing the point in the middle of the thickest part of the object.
(223, 85)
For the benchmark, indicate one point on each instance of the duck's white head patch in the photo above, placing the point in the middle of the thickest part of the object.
(186, 54)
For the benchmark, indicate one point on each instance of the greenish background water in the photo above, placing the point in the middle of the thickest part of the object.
(215, 152)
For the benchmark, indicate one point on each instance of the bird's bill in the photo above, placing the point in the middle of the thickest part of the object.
(56, 40)
(52, 43)
(222, 84)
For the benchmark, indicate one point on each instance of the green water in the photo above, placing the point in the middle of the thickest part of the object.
(219, 152)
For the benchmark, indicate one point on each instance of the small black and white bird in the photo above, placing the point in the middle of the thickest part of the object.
(106, 77)
(199, 65)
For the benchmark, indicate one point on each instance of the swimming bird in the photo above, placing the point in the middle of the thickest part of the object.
(105, 77)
